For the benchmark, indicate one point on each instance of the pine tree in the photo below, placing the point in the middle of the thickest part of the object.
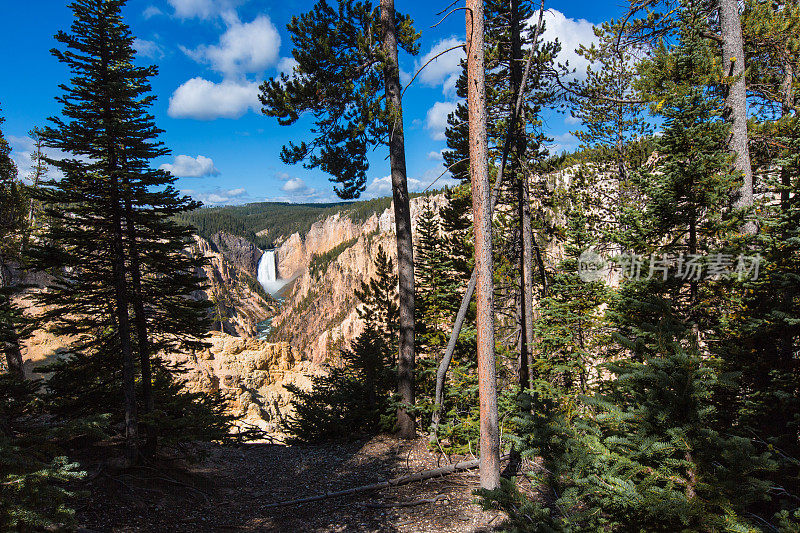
(346, 56)
(32, 478)
(124, 280)
(436, 286)
(613, 119)
(650, 449)
(34, 493)
(12, 199)
(761, 349)
(355, 397)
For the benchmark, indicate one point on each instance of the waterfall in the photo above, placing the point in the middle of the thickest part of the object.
(267, 267)
(268, 272)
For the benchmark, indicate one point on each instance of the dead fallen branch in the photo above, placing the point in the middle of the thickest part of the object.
(406, 504)
(394, 482)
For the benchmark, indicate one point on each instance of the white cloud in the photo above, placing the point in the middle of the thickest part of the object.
(436, 119)
(570, 33)
(149, 49)
(22, 149)
(220, 196)
(433, 176)
(294, 185)
(565, 142)
(286, 65)
(435, 156)
(243, 48)
(382, 187)
(405, 77)
(185, 166)
(203, 9)
(571, 120)
(443, 70)
(151, 11)
(201, 99)
(298, 191)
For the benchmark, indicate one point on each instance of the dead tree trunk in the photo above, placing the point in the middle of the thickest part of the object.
(402, 217)
(441, 372)
(481, 212)
(523, 198)
(733, 63)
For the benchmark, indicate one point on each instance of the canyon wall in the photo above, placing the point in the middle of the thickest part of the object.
(319, 314)
(251, 375)
(240, 303)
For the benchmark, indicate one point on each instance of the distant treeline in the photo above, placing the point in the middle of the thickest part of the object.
(280, 219)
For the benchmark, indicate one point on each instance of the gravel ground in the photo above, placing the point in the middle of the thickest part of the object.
(231, 488)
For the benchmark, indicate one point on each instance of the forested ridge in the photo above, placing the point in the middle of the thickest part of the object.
(611, 336)
(276, 220)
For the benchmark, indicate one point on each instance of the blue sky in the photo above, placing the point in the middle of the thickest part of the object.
(213, 53)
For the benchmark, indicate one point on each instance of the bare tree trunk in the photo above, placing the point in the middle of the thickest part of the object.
(441, 372)
(527, 283)
(733, 62)
(523, 198)
(140, 322)
(402, 217)
(481, 212)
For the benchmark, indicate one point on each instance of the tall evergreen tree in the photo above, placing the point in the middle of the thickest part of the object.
(32, 478)
(346, 56)
(12, 222)
(651, 449)
(123, 280)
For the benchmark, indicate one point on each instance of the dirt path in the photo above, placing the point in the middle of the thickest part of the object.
(230, 490)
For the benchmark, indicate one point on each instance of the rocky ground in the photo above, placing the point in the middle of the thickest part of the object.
(232, 488)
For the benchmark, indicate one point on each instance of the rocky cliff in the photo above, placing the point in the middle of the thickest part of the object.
(319, 313)
(251, 375)
(240, 252)
(240, 303)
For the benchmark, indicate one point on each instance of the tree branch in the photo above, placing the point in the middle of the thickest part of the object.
(437, 56)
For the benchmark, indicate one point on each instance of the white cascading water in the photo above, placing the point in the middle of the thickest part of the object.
(268, 272)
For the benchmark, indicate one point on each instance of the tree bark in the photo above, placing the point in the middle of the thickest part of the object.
(441, 372)
(733, 63)
(140, 322)
(402, 217)
(523, 199)
(481, 212)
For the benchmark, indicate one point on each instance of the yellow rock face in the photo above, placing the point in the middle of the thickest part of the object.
(251, 375)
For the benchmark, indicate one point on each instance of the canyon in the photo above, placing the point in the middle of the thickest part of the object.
(311, 311)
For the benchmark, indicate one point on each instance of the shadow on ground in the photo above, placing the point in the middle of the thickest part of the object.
(231, 490)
